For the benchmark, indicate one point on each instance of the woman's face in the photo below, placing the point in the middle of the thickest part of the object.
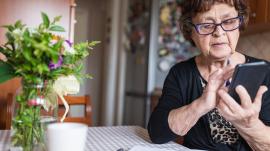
(220, 44)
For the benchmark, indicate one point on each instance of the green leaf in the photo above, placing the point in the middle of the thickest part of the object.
(2, 49)
(6, 77)
(5, 68)
(27, 53)
(6, 72)
(19, 24)
(58, 45)
(10, 37)
(9, 27)
(42, 68)
(19, 98)
(37, 52)
(46, 20)
(57, 28)
(55, 58)
(32, 94)
(26, 67)
(93, 43)
(57, 19)
(26, 34)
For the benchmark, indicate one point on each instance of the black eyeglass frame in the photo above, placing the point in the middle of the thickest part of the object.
(220, 24)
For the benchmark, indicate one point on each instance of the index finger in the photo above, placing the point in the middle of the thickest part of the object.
(229, 101)
(228, 72)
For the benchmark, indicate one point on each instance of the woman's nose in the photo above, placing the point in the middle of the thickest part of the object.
(218, 31)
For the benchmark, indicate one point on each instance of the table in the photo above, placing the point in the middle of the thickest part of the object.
(4, 140)
(110, 139)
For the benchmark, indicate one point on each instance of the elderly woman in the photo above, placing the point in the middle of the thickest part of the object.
(195, 103)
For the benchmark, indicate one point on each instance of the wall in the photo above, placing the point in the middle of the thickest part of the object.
(257, 45)
(29, 12)
(91, 22)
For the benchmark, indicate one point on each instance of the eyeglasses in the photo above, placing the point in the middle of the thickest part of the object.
(227, 25)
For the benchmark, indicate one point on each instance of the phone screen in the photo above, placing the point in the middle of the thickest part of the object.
(249, 75)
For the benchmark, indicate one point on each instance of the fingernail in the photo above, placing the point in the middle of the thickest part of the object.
(265, 88)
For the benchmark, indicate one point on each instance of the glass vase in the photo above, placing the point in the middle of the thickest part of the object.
(35, 106)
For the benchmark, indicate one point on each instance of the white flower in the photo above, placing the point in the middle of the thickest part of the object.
(66, 85)
(17, 32)
(18, 37)
(68, 47)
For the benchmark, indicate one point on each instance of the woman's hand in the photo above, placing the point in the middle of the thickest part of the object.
(241, 116)
(245, 117)
(215, 82)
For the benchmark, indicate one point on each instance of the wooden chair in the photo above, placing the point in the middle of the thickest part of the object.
(9, 110)
(77, 100)
(6, 113)
(8, 89)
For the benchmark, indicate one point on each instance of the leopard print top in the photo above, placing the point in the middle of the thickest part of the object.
(222, 131)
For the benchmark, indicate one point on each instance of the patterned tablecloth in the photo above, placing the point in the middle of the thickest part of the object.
(110, 139)
(4, 140)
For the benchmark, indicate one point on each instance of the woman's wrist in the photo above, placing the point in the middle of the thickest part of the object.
(255, 132)
(174, 120)
(180, 120)
(200, 107)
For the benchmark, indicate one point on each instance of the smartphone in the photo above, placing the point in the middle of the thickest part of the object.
(249, 75)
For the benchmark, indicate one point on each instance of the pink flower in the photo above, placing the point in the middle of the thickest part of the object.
(36, 102)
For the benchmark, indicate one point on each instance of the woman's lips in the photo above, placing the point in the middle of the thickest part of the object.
(219, 44)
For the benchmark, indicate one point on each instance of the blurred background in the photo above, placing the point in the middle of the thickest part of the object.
(140, 41)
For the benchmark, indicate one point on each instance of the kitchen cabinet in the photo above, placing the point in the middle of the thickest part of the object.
(268, 11)
(259, 19)
(260, 11)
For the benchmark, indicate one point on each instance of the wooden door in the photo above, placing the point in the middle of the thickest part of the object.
(268, 10)
(259, 11)
(253, 14)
